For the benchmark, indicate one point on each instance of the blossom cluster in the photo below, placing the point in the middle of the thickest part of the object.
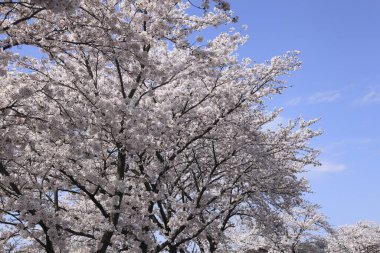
(126, 134)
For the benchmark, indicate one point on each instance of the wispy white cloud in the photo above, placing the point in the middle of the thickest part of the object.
(371, 97)
(294, 101)
(324, 97)
(328, 167)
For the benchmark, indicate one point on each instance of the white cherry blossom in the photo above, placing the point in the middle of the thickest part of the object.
(125, 136)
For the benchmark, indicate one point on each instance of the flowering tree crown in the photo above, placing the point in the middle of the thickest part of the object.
(130, 134)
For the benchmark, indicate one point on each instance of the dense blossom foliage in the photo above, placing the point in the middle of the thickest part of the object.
(298, 230)
(290, 231)
(129, 132)
(363, 237)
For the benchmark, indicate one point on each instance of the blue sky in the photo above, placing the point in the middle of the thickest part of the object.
(339, 82)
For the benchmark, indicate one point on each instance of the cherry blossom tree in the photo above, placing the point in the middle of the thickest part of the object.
(363, 237)
(130, 132)
(297, 230)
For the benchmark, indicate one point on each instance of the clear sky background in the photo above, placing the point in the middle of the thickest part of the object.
(339, 82)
